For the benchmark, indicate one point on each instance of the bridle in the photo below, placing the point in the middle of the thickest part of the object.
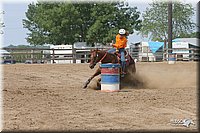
(96, 58)
(103, 57)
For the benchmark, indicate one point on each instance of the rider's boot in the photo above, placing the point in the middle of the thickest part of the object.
(123, 68)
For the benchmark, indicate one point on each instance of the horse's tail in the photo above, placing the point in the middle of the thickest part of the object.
(131, 59)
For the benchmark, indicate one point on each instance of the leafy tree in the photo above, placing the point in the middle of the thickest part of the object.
(109, 20)
(189, 35)
(48, 24)
(65, 22)
(155, 20)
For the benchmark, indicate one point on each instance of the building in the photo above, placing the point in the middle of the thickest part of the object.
(147, 51)
(64, 53)
(5, 57)
(185, 48)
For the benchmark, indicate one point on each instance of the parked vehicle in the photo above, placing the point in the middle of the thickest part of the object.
(6, 58)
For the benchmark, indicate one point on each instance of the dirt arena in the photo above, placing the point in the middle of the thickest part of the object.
(49, 97)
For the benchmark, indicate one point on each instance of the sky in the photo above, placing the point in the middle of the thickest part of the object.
(14, 12)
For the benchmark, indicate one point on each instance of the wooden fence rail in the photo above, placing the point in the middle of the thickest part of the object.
(44, 55)
(49, 55)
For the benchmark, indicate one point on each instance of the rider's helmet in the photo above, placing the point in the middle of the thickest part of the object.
(122, 31)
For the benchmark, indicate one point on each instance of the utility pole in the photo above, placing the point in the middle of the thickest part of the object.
(198, 23)
(170, 25)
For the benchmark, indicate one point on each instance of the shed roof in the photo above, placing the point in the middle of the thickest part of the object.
(192, 41)
(154, 46)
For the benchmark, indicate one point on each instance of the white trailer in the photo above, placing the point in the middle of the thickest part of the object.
(183, 52)
(145, 53)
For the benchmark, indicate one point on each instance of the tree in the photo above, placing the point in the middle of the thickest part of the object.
(109, 18)
(155, 20)
(189, 35)
(47, 23)
(66, 23)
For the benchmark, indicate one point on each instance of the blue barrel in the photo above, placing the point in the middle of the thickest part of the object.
(171, 58)
(110, 77)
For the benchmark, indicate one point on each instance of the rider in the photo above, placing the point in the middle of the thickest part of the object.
(120, 44)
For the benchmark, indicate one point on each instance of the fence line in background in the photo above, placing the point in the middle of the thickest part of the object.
(46, 55)
(82, 55)
(181, 54)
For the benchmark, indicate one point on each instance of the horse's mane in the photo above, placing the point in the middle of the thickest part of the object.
(114, 54)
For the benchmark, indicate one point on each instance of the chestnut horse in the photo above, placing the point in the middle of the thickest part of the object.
(105, 57)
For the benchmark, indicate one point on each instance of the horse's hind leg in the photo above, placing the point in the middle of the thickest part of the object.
(132, 69)
(94, 75)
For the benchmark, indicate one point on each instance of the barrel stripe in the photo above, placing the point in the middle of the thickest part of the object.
(109, 70)
(172, 59)
(110, 65)
(110, 88)
(112, 74)
(110, 79)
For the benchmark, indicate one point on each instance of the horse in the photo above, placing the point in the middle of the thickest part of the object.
(103, 57)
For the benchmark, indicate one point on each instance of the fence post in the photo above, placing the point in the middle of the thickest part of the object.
(165, 54)
(53, 57)
(147, 54)
(192, 54)
(32, 58)
(41, 56)
(74, 54)
(85, 56)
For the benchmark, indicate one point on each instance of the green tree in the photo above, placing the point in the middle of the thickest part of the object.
(189, 35)
(65, 22)
(155, 20)
(109, 18)
(54, 23)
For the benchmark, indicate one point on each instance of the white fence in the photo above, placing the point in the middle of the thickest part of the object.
(36, 55)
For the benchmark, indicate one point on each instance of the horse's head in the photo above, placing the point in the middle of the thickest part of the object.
(94, 58)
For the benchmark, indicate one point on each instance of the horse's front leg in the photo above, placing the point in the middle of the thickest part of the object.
(99, 84)
(98, 71)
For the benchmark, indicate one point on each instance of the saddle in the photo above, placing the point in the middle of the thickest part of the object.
(127, 57)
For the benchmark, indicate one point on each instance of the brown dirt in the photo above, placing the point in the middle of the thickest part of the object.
(50, 97)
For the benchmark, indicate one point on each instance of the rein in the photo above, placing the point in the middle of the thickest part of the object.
(103, 56)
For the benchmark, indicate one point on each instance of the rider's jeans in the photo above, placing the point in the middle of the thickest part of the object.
(121, 51)
(123, 61)
(112, 50)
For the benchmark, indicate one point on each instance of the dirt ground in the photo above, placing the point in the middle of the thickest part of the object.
(49, 97)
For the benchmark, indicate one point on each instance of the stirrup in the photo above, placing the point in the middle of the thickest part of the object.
(124, 73)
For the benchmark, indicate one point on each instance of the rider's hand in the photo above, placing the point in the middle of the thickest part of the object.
(117, 50)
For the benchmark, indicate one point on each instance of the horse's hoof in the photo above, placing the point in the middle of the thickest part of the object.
(98, 88)
(84, 87)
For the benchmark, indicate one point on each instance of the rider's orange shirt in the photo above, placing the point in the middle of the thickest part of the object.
(120, 42)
